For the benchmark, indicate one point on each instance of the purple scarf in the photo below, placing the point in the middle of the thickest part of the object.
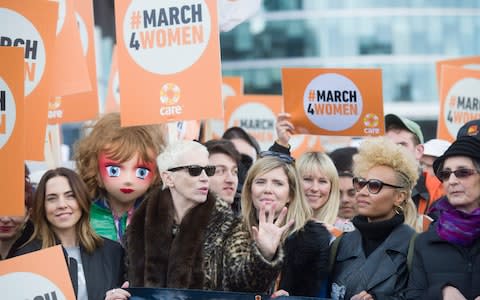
(455, 226)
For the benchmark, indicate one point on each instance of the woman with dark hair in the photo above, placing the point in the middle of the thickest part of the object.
(60, 214)
(446, 260)
(16, 230)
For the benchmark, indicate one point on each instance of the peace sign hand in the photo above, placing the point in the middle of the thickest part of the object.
(269, 232)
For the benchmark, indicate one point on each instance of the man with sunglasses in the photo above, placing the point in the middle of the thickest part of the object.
(177, 236)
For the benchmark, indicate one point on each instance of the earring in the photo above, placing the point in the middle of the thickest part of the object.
(398, 209)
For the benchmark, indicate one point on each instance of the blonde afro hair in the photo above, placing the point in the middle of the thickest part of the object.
(383, 152)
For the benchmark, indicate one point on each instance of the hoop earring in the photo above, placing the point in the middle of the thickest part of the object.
(398, 209)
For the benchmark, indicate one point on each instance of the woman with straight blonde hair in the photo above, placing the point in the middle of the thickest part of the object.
(273, 185)
(321, 186)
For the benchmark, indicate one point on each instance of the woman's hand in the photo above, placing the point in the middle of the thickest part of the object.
(280, 293)
(452, 293)
(363, 295)
(269, 233)
(118, 294)
(284, 129)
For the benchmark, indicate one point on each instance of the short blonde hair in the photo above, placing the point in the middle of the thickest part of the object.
(298, 209)
(383, 152)
(317, 162)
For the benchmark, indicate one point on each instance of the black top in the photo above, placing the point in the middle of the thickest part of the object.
(374, 233)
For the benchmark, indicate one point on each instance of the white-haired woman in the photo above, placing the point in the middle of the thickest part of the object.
(178, 235)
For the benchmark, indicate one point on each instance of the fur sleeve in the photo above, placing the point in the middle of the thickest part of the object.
(245, 269)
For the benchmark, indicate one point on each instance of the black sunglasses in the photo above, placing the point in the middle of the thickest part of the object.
(195, 170)
(283, 157)
(374, 186)
(460, 173)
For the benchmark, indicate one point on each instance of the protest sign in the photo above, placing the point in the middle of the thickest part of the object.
(79, 106)
(334, 101)
(169, 60)
(459, 100)
(231, 86)
(256, 114)
(41, 275)
(35, 33)
(12, 136)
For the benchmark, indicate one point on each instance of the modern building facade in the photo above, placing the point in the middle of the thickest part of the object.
(403, 38)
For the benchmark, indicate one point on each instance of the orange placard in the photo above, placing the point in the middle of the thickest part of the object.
(231, 86)
(459, 100)
(70, 75)
(41, 274)
(472, 62)
(112, 102)
(79, 106)
(256, 114)
(12, 138)
(169, 60)
(334, 101)
(37, 39)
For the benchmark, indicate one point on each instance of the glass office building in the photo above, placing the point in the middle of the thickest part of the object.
(403, 38)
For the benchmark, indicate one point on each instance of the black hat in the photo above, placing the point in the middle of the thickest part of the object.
(471, 128)
(464, 146)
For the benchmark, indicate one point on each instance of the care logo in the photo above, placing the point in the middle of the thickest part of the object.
(462, 104)
(169, 97)
(332, 102)
(166, 37)
(33, 287)
(258, 120)
(8, 113)
(22, 33)
(54, 108)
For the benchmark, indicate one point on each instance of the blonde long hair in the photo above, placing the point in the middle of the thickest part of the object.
(315, 162)
(298, 208)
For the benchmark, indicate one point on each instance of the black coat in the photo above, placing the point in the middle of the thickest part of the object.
(437, 263)
(103, 269)
(383, 273)
(306, 264)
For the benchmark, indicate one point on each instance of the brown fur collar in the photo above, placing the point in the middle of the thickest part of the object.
(156, 259)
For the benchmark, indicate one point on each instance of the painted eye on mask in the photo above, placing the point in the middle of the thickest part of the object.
(142, 173)
(113, 171)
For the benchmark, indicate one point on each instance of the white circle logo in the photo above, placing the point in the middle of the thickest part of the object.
(23, 34)
(461, 104)
(258, 120)
(332, 102)
(166, 37)
(8, 113)
(23, 285)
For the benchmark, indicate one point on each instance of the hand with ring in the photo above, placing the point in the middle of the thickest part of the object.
(118, 294)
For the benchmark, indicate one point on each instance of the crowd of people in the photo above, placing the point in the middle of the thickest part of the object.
(395, 218)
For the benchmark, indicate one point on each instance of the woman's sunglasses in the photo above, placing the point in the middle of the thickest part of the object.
(444, 175)
(374, 186)
(281, 156)
(195, 170)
